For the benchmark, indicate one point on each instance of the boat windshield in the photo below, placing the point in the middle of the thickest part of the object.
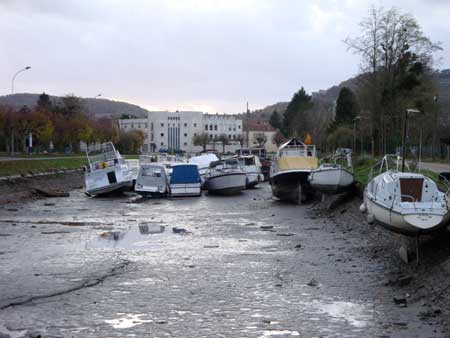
(298, 150)
(151, 172)
(244, 161)
(230, 163)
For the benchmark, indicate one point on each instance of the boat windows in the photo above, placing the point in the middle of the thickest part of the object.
(151, 172)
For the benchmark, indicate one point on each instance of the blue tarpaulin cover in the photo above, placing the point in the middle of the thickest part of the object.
(184, 174)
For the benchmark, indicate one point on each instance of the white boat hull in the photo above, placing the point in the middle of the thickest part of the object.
(253, 179)
(226, 183)
(108, 180)
(191, 189)
(331, 180)
(406, 222)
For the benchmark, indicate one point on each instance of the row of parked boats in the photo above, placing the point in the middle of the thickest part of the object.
(405, 202)
(163, 175)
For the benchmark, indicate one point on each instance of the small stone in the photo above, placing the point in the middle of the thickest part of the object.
(313, 283)
(401, 301)
(266, 227)
(405, 280)
(298, 246)
(161, 322)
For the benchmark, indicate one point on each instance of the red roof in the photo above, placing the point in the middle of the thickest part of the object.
(259, 127)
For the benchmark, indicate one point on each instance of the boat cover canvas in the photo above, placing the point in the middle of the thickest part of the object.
(297, 163)
(184, 174)
(203, 161)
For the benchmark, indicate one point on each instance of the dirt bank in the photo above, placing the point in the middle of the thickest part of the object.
(23, 189)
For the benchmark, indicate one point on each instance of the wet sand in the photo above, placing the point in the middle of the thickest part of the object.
(243, 266)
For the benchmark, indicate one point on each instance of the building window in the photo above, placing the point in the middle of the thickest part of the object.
(234, 137)
(239, 127)
(229, 136)
(195, 125)
(211, 127)
(185, 134)
(234, 129)
(185, 144)
(162, 124)
(229, 129)
(146, 125)
(162, 143)
(162, 134)
(206, 127)
(139, 126)
(195, 134)
(132, 126)
(185, 124)
(215, 127)
(210, 136)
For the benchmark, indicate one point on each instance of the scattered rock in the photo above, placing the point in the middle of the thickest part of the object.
(266, 227)
(179, 230)
(161, 322)
(343, 211)
(313, 283)
(4, 335)
(286, 234)
(267, 321)
(210, 246)
(12, 209)
(401, 301)
(298, 247)
(279, 285)
(405, 280)
(49, 204)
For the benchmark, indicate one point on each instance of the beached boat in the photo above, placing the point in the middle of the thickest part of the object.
(152, 180)
(252, 168)
(225, 177)
(185, 180)
(133, 166)
(107, 171)
(203, 161)
(405, 202)
(290, 169)
(332, 178)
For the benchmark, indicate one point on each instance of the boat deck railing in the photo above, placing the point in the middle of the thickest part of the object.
(430, 204)
(299, 150)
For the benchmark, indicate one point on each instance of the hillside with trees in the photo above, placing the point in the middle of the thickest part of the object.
(60, 127)
(99, 107)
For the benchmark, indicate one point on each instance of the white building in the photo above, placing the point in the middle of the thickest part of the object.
(174, 131)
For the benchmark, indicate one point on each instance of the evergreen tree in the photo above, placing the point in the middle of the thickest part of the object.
(295, 121)
(346, 107)
(44, 102)
(275, 120)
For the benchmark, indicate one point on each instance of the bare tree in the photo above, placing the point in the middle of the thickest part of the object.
(396, 56)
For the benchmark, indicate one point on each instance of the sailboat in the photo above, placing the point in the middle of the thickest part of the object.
(332, 177)
(405, 202)
(290, 169)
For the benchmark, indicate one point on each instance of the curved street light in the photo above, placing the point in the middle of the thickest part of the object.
(14, 77)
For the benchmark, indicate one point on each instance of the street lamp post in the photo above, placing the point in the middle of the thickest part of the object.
(12, 92)
(15, 75)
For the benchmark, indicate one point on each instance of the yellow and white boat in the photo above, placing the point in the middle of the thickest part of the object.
(290, 170)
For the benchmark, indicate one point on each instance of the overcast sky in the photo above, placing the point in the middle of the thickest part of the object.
(204, 55)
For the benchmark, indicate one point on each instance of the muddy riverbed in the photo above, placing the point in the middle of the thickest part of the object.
(243, 266)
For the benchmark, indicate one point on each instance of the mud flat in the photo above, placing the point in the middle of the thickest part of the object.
(243, 266)
(22, 189)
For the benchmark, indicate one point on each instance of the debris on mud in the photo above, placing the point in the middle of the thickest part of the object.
(313, 283)
(400, 301)
(51, 193)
